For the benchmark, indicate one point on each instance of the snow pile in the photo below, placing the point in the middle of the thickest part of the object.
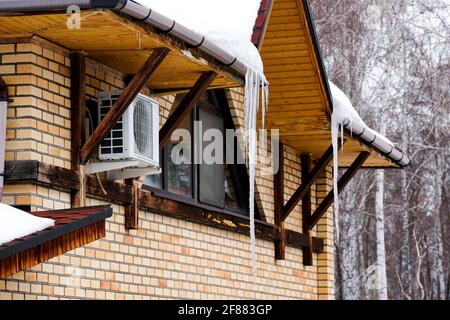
(343, 110)
(229, 24)
(16, 224)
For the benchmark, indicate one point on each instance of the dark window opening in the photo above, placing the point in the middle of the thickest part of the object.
(219, 185)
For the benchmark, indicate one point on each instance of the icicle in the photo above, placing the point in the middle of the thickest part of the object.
(334, 138)
(253, 81)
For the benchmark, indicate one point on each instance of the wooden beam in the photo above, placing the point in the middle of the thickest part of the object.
(223, 220)
(308, 182)
(120, 193)
(343, 181)
(185, 106)
(3, 116)
(278, 187)
(306, 164)
(78, 115)
(132, 210)
(35, 171)
(109, 190)
(123, 102)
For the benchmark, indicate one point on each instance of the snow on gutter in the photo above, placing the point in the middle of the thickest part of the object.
(346, 116)
(3, 110)
(376, 141)
(139, 12)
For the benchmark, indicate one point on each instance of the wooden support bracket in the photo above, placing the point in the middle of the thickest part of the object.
(306, 164)
(185, 106)
(78, 115)
(278, 181)
(308, 182)
(343, 181)
(132, 210)
(123, 102)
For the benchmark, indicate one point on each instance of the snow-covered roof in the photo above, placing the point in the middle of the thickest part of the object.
(219, 21)
(80, 225)
(15, 223)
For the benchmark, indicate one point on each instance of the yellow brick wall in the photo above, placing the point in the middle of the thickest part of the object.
(38, 126)
(166, 257)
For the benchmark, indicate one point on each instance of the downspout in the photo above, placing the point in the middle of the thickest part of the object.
(3, 109)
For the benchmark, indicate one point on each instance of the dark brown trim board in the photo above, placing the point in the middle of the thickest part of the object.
(278, 189)
(132, 210)
(3, 116)
(306, 164)
(73, 228)
(78, 115)
(39, 173)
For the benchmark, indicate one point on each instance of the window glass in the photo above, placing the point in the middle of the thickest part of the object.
(231, 200)
(178, 164)
(211, 177)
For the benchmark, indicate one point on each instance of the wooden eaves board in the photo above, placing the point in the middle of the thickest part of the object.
(299, 106)
(118, 42)
(73, 228)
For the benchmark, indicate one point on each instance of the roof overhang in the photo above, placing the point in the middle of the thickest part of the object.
(119, 39)
(73, 228)
(300, 103)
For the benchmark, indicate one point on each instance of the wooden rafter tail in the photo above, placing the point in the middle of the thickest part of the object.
(306, 164)
(343, 181)
(308, 182)
(280, 245)
(78, 103)
(185, 106)
(123, 102)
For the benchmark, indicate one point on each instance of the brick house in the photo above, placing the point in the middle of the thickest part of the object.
(166, 236)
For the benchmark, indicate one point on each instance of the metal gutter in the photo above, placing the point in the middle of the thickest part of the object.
(3, 114)
(376, 142)
(136, 11)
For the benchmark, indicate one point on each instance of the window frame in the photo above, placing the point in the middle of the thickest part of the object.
(236, 170)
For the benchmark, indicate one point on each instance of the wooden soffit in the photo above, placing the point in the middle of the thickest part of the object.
(299, 104)
(120, 43)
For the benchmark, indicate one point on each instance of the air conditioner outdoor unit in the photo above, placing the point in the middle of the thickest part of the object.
(132, 148)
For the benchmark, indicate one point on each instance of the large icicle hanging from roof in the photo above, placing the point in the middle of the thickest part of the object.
(231, 30)
(253, 82)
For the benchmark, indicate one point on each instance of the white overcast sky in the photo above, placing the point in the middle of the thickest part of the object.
(231, 16)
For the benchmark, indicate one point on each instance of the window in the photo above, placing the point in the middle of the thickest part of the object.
(211, 184)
